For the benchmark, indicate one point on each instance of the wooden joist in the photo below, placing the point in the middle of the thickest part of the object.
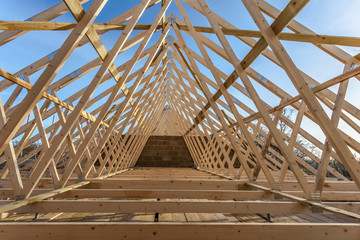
(350, 196)
(16, 204)
(308, 202)
(281, 231)
(179, 206)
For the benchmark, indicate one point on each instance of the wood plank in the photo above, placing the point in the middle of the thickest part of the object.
(180, 231)
(151, 206)
(64, 26)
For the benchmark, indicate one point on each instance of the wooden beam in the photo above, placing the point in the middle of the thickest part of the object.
(293, 137)
(307, 202)
(17, 204)
(215, 194)
(328, 195)
(65, 26)
(177, 231)
(297, 37)
(11, 161)
(46, 15)
(295, 26)
(161, 183)
(45, 143)
(209, 184)
(175, 206)
(164, 206)
(335, 118)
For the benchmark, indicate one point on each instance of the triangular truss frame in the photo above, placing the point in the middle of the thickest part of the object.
(172, 96)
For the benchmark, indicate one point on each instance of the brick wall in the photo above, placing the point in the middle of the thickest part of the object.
(165, 151)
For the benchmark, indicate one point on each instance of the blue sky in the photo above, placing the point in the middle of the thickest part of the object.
(331, 17)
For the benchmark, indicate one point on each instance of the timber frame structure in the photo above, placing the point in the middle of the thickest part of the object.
(83, 162)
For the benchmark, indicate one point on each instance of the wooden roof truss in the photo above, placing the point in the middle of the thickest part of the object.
(92, 138)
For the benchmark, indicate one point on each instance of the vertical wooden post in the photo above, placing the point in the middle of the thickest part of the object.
(326, 151)
(11, 159)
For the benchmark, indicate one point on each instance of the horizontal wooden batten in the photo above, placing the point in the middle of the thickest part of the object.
(186, 194)
(167, 177)
(65, 26)
(164, 193)
(117, 182)
(161, 184)
(194, 184)
(279, 231)
(208, 184)
(178, 206)
(153, 206)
